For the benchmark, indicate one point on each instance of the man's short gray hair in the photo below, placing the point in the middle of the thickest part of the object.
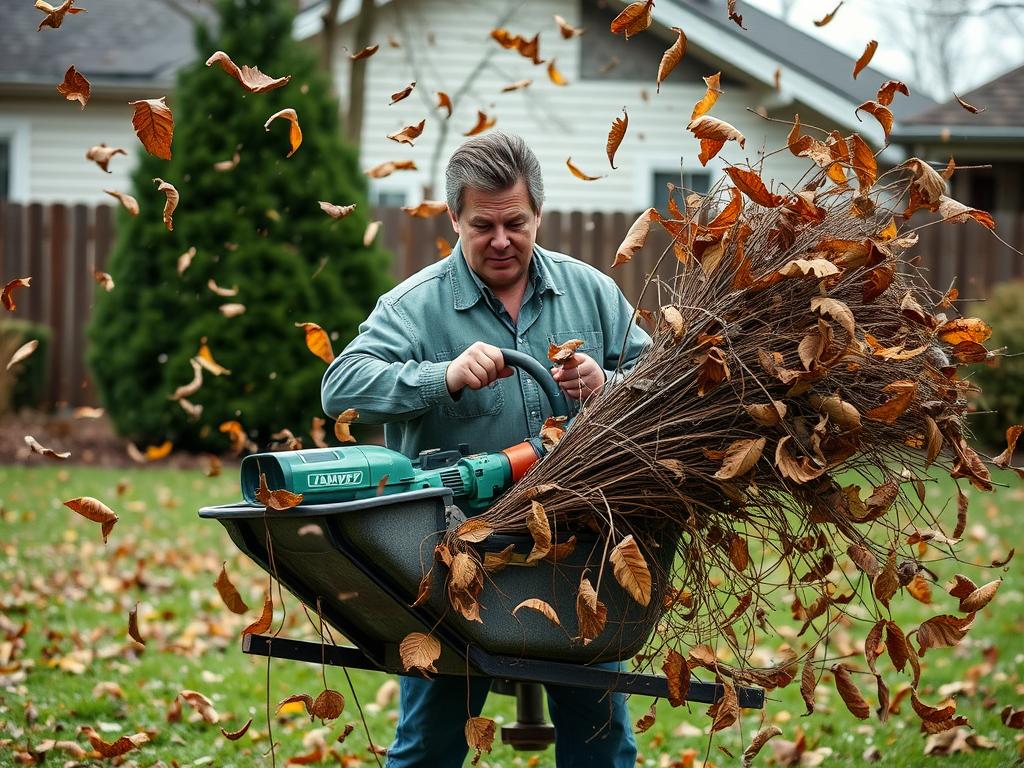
(492, 162)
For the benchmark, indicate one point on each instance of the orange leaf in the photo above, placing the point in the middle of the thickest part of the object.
(963, 329)
(591, 613)
(634, 19)
(7, 296)
(408, 133)
(479, 735)
(250, 78)
(262, 624)
(864, 163)
(130, 203)
(115, 749)
(713, 371)
(366, 53)
(957, 213)
(154, 125)
(828, 16)
(419, 651)
(578, 173)
(865, 58)
(55, 16)
(880, 113)
(541, 607)
(712, 92)
(647, 720)
(444, 101)
(615, 136)
(568, 31)
(893, 408)
(849, 693)
(482, 124)
(713, 133)
(636, 236)
(404, 93)
(75, 87)
(474, 530)
(672, 56)
(753, 187)
(630, 569)
(294, 131)
(95, 510)
(540, 530)
(228, 593)
(554, 75)
(969, 107)
(889, 90)
(279, 499)
(559, 353)
(733, 15)
(726, 710)
(386, 169)
(426, 209)
(341, 430)
(317, 341)
(1012, 435)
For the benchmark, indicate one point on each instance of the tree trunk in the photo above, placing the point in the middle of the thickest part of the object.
(357, 72)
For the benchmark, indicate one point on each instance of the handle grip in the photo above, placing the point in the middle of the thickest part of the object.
(540, 374)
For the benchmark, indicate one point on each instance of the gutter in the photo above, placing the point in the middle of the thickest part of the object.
(951, 134)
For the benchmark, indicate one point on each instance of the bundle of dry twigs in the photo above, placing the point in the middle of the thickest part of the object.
(801, 390)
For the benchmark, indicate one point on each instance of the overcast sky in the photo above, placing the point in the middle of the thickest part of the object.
(988, 44)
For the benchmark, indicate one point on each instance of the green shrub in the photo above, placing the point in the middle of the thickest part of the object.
(24, 386)
(258, 227)
(1002, 385)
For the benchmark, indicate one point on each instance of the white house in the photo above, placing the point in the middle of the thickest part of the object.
(130, 49)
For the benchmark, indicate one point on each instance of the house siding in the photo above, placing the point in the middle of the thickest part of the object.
(557, 122)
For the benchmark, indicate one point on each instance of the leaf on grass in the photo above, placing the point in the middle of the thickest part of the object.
(122, 746)
(630, 569)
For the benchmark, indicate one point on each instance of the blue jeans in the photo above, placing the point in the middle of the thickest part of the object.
(433, 715)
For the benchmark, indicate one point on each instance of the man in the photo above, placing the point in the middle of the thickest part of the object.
(427, 365)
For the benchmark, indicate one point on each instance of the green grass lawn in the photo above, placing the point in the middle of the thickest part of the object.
(78, 666)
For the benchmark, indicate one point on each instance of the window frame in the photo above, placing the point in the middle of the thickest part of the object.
(17, 131)
(646, 170)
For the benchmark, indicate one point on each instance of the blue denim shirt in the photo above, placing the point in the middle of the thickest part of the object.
(393, 371)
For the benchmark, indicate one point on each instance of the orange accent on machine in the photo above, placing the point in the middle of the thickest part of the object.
(521, 457)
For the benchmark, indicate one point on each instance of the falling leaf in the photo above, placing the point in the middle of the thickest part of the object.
(408, 133)
(250, 78)
(101, 155)
(568, 32)
(713, 133)
(980, 597)
(518, 85)
(227, 165)
(733, 15)
(970, 108)
(279, 499)
(399, 95)
(865, 58)
(554, 75)
(482, 124)
(294, 131)
(262, 624)
(560, 353)
(95, 510)
(154, 125)
(75, 87)
(711, 93)
(419, 651)
(200, 704)
(647, 720)
(365, 53)
(370, 233)
(288, 703)
(740, 458)
(765, 734)
(630, 569)
(1012, 435)
(317, 341)
(726, 711)
(130, 203)
(444, 102)
(591, 613)
(541, 607)
(341, 430)
(634, 19)
(170, 201)
(223, 292)
(185, 259)
(964, 329)
(851, 696)
(426, 209)
(228, 593)
(232, 310)
(236, 735)
(479, 735)
(750, 184)
(43, 451)
(615, 136)
(957, 213)
(133, 625)
(672, 56)
(7, 296)
(444, 248)
(55, 16)
(328, 705)
(336, 211)
(943, 630)
(828, 16)
(636, 236)
(386, 169)
(888, 90)
(882, 114)
(578, 173)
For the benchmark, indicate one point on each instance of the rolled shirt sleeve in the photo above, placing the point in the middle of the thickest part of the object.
(623, 337)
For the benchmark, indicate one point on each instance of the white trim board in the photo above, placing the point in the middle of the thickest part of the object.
(19, 131)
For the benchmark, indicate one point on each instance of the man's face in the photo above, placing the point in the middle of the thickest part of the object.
(498, 230)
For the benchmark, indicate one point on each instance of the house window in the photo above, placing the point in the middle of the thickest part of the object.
(389, 198)
(5, 168)
(691, 182)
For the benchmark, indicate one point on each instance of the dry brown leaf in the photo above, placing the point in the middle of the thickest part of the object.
(404, 93)
(672, 319)
(540, 530)
(1013, 434)
(712, 371)
(279, 499)
(672, 56)
(865, 58)
(200, 704)
(647, 720)
(426, 209)
(328, 705)
(365, 53)
(713, 133)
(767, 415)
(123, 745)
(636, 236)
(75, 87)
(55, 15)
(634, 19)
(336, 211)
(518, 85)
(7, 296)
(482, 124)
(444, 102)
(250, 78)
(712, 92)
(799, 471)
(865, 166)
(740, 458)
(560, 353)
(171, 198)
(568, 31)
(980, 597)
(294, 131)
(969, 107)
(630, 569)
(828, 16)
(262, 624)
(49, 453)
(956, 212)
(726, 711)
(750, 184)
(543, 608)
(370, 233)
(591, 613)
(317, 341)
(474, 530)
(765, 734)
(228, 593)
(882, 114)
(130, 203)
(101, 155)
(903, 394)
(677, 676)
(942, 631)
(386, 169)
(615, 136)
(554, 75)
(578, 173)
(236, 735)
(154, 125)
(341, 430)
(888, 90)
(408, 133)
(848, 691)
(95, 510)
(479, 735)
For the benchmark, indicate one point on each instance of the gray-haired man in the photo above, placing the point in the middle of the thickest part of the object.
(427, 365)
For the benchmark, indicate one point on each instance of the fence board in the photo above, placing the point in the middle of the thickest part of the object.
(60, 248)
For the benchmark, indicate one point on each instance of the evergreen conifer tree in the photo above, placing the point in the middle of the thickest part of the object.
(257, 226)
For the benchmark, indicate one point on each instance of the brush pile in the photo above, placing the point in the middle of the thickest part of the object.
(802, 389)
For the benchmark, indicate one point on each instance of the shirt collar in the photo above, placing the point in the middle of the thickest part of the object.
(468, 288)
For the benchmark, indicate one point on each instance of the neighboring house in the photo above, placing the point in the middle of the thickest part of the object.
(993, 137)
(130, 49)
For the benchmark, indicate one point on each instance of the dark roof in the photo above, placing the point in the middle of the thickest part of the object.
(114, 42)
(1002, 99)
(795, 48)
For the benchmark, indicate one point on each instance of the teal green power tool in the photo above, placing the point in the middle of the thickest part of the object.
(327, 475)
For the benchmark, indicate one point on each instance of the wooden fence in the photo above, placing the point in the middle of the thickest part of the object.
(60, 247)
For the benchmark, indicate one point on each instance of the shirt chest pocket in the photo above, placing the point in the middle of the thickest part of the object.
(593, 343)
(472, 403)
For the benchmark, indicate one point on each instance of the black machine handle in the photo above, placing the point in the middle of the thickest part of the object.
(540, 374)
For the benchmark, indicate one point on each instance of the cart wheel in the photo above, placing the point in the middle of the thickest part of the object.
(531, 731)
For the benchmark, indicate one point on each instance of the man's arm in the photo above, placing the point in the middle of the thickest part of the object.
(379, 375)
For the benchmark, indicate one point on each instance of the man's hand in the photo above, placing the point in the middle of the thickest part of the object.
(579, 377)
(481, 364)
